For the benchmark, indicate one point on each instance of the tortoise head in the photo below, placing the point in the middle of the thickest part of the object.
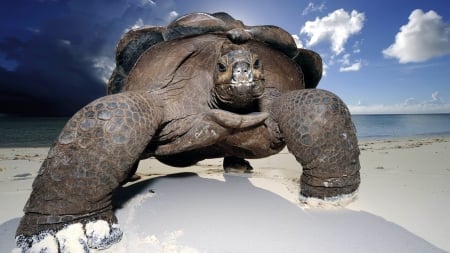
(238, 78)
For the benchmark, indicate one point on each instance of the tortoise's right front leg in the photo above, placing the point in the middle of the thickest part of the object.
(319, 132)
(70, 203)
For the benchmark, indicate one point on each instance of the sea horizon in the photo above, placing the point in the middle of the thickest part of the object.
(21, 131)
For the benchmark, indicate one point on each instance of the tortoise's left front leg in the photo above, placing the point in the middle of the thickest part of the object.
(318, 130)
(70, 204)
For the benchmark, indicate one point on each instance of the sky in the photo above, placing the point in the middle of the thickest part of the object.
(383, 56)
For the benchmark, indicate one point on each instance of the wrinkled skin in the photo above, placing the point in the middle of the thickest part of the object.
(228, 94)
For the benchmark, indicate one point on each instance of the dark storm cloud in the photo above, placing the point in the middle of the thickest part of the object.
(53, 66)
(11, 47)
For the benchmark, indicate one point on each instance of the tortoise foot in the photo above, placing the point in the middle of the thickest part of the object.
(232, 164)
(79, 235)
(68, 239)
(337, 198)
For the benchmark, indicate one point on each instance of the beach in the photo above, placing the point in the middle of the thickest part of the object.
(402, 206)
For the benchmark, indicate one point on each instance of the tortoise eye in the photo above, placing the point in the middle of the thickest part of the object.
(221, 67)
(256, 64)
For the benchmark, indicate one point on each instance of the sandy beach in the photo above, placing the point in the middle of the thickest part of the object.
(403, 204)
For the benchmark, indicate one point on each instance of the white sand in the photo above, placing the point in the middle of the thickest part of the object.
(403, 204)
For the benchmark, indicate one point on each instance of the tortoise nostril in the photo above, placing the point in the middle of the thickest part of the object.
(242, 72)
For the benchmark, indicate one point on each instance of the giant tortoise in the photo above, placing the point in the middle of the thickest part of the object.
(205, 86)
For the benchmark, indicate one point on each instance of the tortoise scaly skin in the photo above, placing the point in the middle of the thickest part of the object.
(205, 86)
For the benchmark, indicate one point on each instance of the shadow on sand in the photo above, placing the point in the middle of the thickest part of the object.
(187, 212)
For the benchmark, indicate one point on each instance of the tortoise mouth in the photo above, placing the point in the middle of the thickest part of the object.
(240, 94)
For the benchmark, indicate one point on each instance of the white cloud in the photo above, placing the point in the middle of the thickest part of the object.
(400, 109)
(410, 101)
(138, 24)
(410, 105)
(312, 8)
(297, 40)
(104, 67)
(436, 97)
(34, 30)
(65, 42)
(347, 66)
(424, 37)
(324, 69)
(335, 28)
(172, 15)
(354, 67)
(356, 47)
(148, 2)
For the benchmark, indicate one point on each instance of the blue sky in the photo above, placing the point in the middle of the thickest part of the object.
(379, 56)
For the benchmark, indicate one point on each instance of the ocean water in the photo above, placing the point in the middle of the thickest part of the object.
(394, 126)
(41, 132)
(29, 132)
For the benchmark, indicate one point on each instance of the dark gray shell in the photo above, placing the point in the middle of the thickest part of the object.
(135, 42)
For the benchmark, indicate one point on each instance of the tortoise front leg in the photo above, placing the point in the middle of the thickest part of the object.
(93, 155)
(318, 130)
